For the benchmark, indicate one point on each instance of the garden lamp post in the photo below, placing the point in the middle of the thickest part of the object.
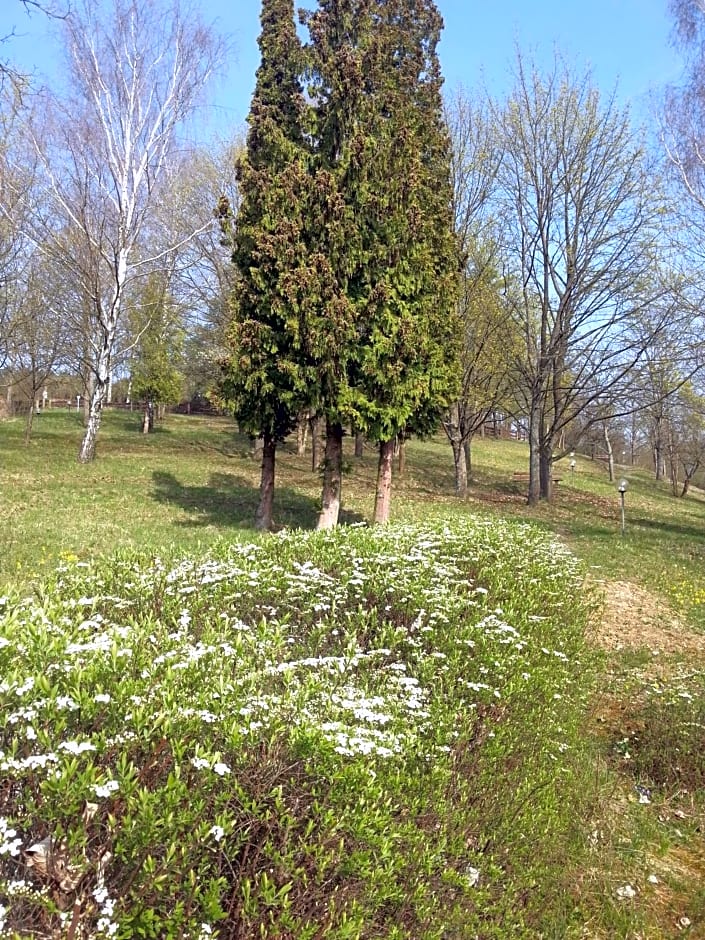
(622, 490)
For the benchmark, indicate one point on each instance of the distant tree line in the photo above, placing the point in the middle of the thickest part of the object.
(371, 258)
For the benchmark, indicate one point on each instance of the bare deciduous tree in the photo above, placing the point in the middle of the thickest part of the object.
(684, 104)
(581, 217)
(9, 74)
(39, 338)
(134, 78)
(490, 343)
(17, 182)
(204, 274)
(475, 160)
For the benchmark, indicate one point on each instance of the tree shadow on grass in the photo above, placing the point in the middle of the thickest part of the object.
(229, 500)
(695, 532)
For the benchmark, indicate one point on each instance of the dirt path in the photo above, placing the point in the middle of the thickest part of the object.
(634, 618)
(634, 622)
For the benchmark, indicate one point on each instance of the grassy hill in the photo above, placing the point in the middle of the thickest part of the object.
(422, 732)
(193, 482)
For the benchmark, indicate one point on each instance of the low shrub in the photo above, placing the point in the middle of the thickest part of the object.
(666, 748)
(352, 734)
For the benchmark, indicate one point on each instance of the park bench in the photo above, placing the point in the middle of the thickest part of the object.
(523, 476)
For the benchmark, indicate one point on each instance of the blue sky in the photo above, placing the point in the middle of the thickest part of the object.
(624, 42)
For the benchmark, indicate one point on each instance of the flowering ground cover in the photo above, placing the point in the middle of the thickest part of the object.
(357, 734)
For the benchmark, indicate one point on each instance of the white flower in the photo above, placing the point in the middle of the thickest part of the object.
(217, 832)
(105, 789)
(11, 847)
(9, 844)
(101, 697)
(473, 876)
(625, 892)
(107, 927)
(221, 769)
(65, 701)
(76, 747)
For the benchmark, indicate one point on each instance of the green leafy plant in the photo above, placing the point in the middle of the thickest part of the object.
(361, 733)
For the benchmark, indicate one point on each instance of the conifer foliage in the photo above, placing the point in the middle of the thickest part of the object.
(264, 373)
(405, 367)
(345, 243)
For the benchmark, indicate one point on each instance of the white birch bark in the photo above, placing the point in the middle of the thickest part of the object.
(134, 76)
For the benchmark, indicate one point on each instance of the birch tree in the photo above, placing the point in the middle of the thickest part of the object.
(684, 104)
(9, 74)
(134, 77)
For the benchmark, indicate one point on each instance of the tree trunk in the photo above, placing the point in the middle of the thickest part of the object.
(673, 472)
(534, 462)
(263, 514)
(89, 391)
(610, 455)
(314, 424)
(29, 423)
(301, 433)
(461, 470)
(359, 443)
(452, 426)
(97, 384)
(383, 495)
(686, 487)
(658, 462)
(332, 477)
(545, 467)
(87, 452)
(467, 447)
(95, 410)
(148, 418)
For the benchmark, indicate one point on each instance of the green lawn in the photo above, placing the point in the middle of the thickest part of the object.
(193, 482)
(559, 851)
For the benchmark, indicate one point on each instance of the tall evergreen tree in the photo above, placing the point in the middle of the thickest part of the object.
(156, 376)
(385, 149)
(344, 241)
(265, 376)
(341, 37)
